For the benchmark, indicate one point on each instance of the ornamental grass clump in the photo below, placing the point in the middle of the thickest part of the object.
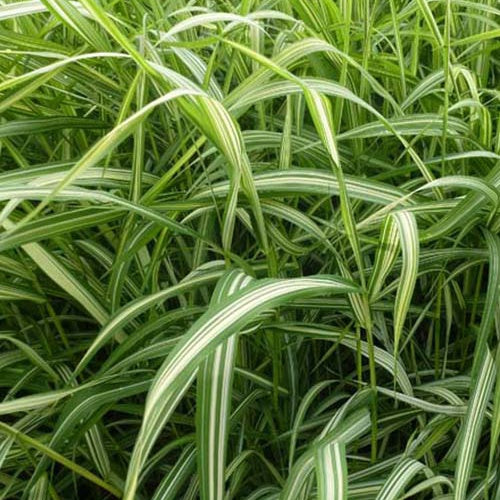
(250, 250)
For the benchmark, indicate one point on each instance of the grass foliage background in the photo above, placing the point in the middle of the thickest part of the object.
(249, 250)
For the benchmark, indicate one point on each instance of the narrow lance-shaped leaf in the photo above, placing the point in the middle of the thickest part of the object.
(408, 237)
(56, 271)
(136, 307)
(170, 485)
(215, 122)
(107, 144)
(488, 189)
(86, 403)
(19, 9)
(209, 331)
(17, 80)
(32, 126)
(470, 430)
(401, 475)
(321, 113)
(40, 400)
(495, 420)
(71, 15)
(492, 301)
(299, 181)
(43, 193)
(11, 292)
(54, 225)
(301, 413)
(214, 394)
(347, 430)
(31, 354)
(387, 251)
(57, 457)
(331, 471)
(467, 209)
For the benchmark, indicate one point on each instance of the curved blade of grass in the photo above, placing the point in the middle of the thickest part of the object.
(385, 256)
(351, 427)
(60, 274)
(31, 354)
(169, 487)
(82, 407)
(107, 144)
(401, 475)
(408, 237)
(217, 324)
(382, 358)
(492, 301)
(214, 384)
(464, 211)
(10, 292)
(468, 182)
(70, 15)
(28, 403)
(482, 385)
(70, 194)
(33, 443)
(16, 80)
(31, 126)
(299, 181)
(331, 471)
(133, 309)
(19, 9)
(54, 225)
(321, 113)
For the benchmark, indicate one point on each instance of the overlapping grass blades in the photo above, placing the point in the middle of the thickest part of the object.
(249, 250)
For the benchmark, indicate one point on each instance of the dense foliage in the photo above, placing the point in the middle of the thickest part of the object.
(249, 250)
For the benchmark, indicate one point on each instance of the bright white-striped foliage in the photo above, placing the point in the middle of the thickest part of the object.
(249, 249)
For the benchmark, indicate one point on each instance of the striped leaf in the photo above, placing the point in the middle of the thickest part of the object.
(408, 238)
(400, 476)
(216, 325)
(331, 471)
(353, 426)
(474, 420)
(214, 384)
